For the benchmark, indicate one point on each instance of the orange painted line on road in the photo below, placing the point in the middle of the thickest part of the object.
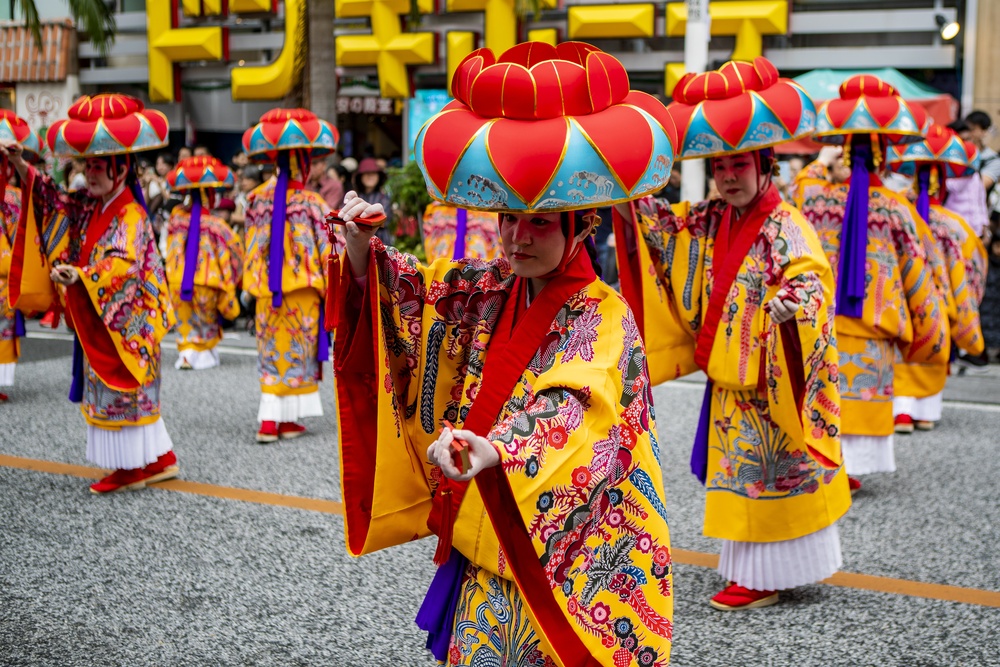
(184, 486)
(864, 582)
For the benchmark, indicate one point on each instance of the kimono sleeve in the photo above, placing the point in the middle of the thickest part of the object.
(800, 355)
(580, 459)
(230, 258)
(814, 176)
(928, 343)
(402, 341)
(961, 248)
(671, 271)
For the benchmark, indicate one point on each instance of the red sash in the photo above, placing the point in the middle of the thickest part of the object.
(727, 259)
(100, 349)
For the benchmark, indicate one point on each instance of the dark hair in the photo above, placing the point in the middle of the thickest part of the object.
(980, 119)
(959, 126)
(251, 171)
(168, 159)
(588, 243)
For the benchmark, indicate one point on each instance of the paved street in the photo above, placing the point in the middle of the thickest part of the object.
(224, 572)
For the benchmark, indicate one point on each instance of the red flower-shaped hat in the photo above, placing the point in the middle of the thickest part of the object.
(199, 172)
(544, 128)
(107, 124)
(15, 128)
(741, 107)
(942, 147)
(289, 129)
(869, 105)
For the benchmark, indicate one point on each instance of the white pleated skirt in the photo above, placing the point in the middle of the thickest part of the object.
(775, 566)
(199, 359)
(864, 454)
(7, 374)
(129, 447)
(274, 408)
(921, 409)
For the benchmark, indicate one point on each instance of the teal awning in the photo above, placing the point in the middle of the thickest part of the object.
(824, 84)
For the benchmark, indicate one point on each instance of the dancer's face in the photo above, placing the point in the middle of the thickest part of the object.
(99, 183)
(737, 178)
(533, 242)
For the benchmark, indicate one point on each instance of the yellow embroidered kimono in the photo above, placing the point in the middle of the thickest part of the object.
(901, 307)
(482, 233)
(578, 451)
(773, 406)
(120, 308)
(288, 337)
(951, 247)
(10, 211)
(216, 278)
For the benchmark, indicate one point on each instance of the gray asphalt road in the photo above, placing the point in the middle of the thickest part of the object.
(164, 578)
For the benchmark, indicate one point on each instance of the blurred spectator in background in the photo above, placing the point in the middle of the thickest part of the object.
(671, 192)
(369, 181)
(224, 209)
(250, 178)
(350, 165)
(319, 181)
(966, 196)
(989, 310)
(201, 150)
(75, 180)
(183, 153)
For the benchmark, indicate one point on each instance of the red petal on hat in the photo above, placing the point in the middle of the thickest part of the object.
(467, 70)
(517, 94)
(271, 129)
(549, 99)
(246, 139)
(766, 70)
(683, 90)
(527, 172)
(125, 130)
(784, 102)
(606, 79)
(158, 121)
(528, 54)
(938, 137)
(486, 95)
(79, 134)
(680, 114)
(730, 118)
(310, 127)
(575, 52)
(445, 140)
(717, 87)
(622, 136)
(838, 111)
(53, 133)
(575, 93)
(655, 108)
(883, 109)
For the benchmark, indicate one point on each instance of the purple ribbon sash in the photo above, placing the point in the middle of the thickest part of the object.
(437, 612)
(461, 225)
(923, 193)
(276, 252)
(699, 452)
(191, 246)
(19, 329)
(854, 237)
(323, 343)
(76, 388)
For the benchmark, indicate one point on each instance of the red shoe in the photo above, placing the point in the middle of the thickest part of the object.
(854, 484)
(268, 432)
(4, 397)
(50, 319)
(162, 468)
(289, 430)
(121, 480)
(735, 598)
(904, 424)
(923, 425)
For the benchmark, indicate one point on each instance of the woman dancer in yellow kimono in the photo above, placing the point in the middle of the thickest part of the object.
(553, 545)
(13, 129)
(885, 292)
(101, 247)
(743, 291)
(287, 277)
(204, 262)
(919, 388)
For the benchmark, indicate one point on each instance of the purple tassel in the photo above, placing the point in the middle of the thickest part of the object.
(923, 193)
(191, 246)
(323, 343)
(437, 612)
(276, 256)
(699, 452)
(854, 237)
(462, 223)
(76, 388)
(19, 329)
